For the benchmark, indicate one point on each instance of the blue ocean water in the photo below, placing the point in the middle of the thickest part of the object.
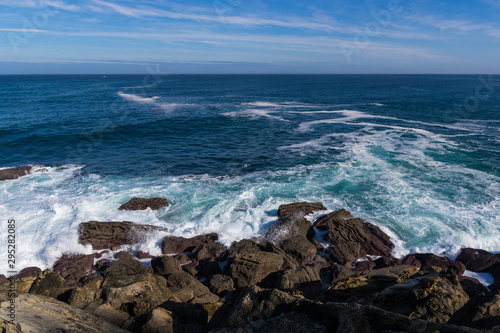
(416, 154)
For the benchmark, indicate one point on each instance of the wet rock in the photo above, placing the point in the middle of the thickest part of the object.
(220, 284)
(387, 262)
(14, 173)
(434, 297)
(101, 265)
(362, 266)
(127, 266)
(144, 255)
(289, 227)
(142, 204)
(210, 250)
(411, 260)
(304, 208)
(165, 265)
(28, 271)
(44, 314)
(175, 245)
(123, 255)
(476, 260)
(105, 235)
(432, 260)
(159, 321)
(300, 248)
(188, 289)
(343, 228)
(73, 267)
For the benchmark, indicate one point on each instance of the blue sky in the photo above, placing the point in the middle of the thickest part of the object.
(261, 36)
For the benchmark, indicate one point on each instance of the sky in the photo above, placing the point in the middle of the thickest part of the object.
(251, 37)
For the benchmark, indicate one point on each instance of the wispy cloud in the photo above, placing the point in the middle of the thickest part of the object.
(57, 4)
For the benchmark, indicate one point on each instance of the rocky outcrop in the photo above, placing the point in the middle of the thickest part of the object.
(174, 245)
(432, 260)
(142, 204)
(105, 235)
(73, 267)
(300, 248)
(188, 289)
(343, 228)
(14, 173)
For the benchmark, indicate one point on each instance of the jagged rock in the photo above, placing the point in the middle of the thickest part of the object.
(251, 268)
(472, 286)
(304, 278)
(159, 321)
(411, 260)
(14, 173)
(127, 266)
(143, 255)
(174, 245)
(483, 313)
(289, 227)
(344, 252)
(93, 280)
(476, 260)
(186, 313)
(339, 272)
(44, 314)
(343, 228)
(165, 265)
(28, 271)
(211, 250)
(383, 262)
(49, 283)
(300, 248)
(432, 260)
(142, 204)
(105, 235)
(304, 208)
(82, 297)
(73, 267)
(188, 289)
(101, 265)
(357, 287)
(220, 284)
(111, 315)
(123, 255)
(433, 296)
(251, 304)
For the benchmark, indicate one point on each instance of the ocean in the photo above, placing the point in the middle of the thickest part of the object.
(418, 155)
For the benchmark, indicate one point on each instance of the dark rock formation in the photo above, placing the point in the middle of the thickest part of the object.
(14, 173)
(477, 260)
(73, 267)
(188, 289)
(49, 283)
(174, 245)
(432, 260)
(28, 271)
(303, 208)
(220, 284)
(300, 248)
(127, 265)
(142, 204)
(105, 235)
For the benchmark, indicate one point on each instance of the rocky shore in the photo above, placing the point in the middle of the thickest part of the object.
(334, 274)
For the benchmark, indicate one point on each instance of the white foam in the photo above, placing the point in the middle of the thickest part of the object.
(138, 99)
(486, 279)
(254, 114)
(169, 107)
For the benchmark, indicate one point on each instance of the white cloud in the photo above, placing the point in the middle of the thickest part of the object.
(51, 4)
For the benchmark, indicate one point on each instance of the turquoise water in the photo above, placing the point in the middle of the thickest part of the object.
(417, 155)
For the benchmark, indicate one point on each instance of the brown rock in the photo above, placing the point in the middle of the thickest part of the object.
(174, 245)
(165, 265)
(105, 235)
(362, 266)
(188, 289)
(476, 260)
(123, 255)
(127, 266)
(159, 321)
(210, 250)
(14, 173)
(142, 204)
(93, 280)
(387, 261)
(300, 248)
(72, 267)
(28, 271)
(297, 279)
(220, 284)
(101, 265)
(303, 208)
(429, 260)
(483, 314)
(344, 252)
(111, 315)
(338, 216)
(144, 255)
(49, 283)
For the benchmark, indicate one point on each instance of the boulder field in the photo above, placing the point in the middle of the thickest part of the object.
(334, 274)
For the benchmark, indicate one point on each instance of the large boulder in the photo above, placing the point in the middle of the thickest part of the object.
(292, 222)
(434, 296)
(175, 245)
(49, 283)
(220, 284)
(38, 313)
(432, 260)
(165, 265)
(483, 313)
(342, 227)
(142, 204)
(305, 279)
(344, 252)
(159, 321)
(105, 235)
(73, 267)
(188, 289)
(127, 265)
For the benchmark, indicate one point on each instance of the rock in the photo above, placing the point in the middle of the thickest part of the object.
(286, 323)
(93, 280)
(342, 228)
(44, 314)
(14, 173)
(128, 289)
(186, 313)
(339, 273)
(187, 289)
(252, 305)
(175, 245)
(142, 204)
(143, 255)
(411, 260)
(383, 262)
(49, 283)
(432, 260)
(344, 252)
(159, 321)
(182, 258)
(304, 278)
(165, 265)
(300, 248)
(289, 227)
(476, 260)
(484, 313)
(362, 266)
(82, 297)
(101, 265)
(434, 297)
(211, 250)
(220, 284)
(73, 267)
(359, 287)
(304, 208)
(251, 268)
(111, 315)
(127, 266)
(105, 235)
(123, 255)
(28, 271)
